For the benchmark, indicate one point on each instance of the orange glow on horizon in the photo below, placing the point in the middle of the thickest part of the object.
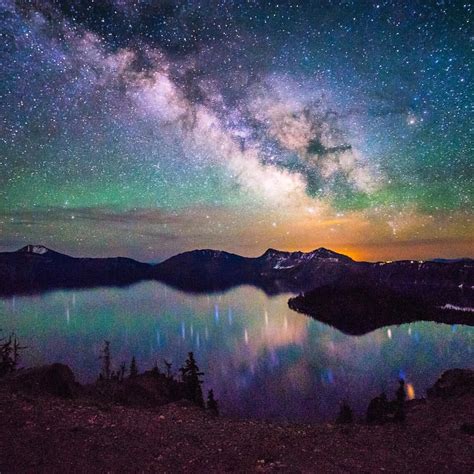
(393, 251)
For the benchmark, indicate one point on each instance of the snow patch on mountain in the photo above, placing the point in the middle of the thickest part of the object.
(38, 249)
(466, 309)
(285, 260)
(281, 266)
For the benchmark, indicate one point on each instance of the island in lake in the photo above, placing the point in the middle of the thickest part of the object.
(355, 297)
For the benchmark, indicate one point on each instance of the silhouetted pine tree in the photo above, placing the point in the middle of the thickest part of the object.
(190, 375)
(133, 368)
(156, 370)
(16, 351)
(345, 415)
(169, 372)
(106, 361)
(9, 354)
(212, 402)
(122, 371)
(401, 396)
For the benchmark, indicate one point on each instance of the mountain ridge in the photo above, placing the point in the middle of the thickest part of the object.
(41, 249)
(36, 267)
(355, 297)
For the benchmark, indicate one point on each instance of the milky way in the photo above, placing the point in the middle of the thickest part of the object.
(145, 128)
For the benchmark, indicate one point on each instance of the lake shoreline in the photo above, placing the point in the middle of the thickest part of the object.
(43, 432)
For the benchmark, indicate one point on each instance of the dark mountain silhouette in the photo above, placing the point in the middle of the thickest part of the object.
(204, 270)
(356, 297)
(453, 260)
(36, 268)
(362, 307)
(274, 271)
(277, 272)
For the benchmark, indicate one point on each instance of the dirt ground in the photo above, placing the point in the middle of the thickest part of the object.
(48, 434)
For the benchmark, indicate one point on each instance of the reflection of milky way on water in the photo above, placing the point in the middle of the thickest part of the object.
(261, 358)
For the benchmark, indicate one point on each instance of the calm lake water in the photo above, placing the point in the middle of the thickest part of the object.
(262, 359)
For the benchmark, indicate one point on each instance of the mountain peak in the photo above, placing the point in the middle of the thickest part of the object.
(41, 250)
(320, 252)
(323, 252)
(212, 253)
(272, 252)
(37, 249)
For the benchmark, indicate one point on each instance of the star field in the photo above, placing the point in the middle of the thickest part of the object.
(145, 128)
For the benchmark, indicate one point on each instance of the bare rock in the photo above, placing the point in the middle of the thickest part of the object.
(55, 379)
(453, 383)
(468, 428)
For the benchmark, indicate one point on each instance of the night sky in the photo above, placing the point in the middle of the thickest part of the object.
(147, 128)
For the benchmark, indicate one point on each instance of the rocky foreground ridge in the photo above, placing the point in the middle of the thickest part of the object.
(48, 425)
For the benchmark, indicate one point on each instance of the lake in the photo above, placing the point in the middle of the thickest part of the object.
(262, 359)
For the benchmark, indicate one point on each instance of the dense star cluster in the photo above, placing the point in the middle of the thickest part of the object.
(149, 127)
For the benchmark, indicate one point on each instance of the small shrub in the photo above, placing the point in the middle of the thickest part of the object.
(133, 368)
(212, 404)
(345, 416)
